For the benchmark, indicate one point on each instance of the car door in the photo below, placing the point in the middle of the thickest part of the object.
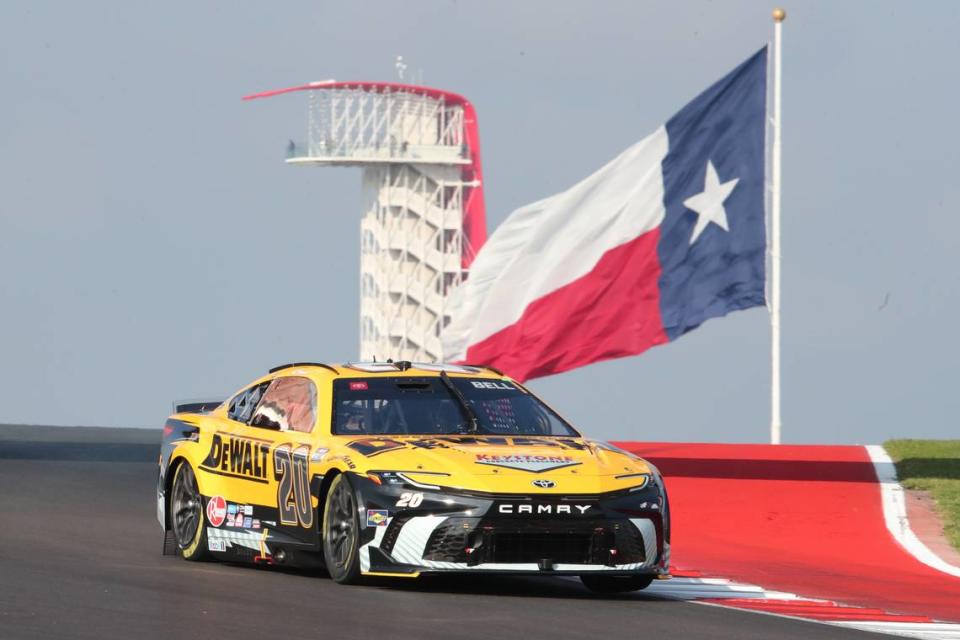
(237, 465)
(285, 419)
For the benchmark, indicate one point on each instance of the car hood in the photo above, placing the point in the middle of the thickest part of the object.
(507, 464)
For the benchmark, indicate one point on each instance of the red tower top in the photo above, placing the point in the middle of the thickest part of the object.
(474, 208)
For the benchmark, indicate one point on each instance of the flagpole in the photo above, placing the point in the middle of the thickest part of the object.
(779, 15)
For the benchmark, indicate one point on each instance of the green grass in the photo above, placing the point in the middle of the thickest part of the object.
(933, 466)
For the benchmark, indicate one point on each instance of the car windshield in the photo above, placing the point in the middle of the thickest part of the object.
(427, 406)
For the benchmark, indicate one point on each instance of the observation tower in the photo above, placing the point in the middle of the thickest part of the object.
(422, 215)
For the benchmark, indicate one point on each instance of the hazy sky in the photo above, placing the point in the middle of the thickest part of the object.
(154, 246)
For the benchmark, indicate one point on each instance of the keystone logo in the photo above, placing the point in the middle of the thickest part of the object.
(521, 462)
(544, 484)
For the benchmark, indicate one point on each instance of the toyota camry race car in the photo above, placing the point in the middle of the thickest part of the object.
(400, 469)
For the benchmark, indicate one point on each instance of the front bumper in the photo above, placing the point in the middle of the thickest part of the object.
(625, 532)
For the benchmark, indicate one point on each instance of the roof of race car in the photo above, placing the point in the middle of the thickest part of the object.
(403, 367)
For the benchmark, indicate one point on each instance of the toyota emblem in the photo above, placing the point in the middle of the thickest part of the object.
(544, 484)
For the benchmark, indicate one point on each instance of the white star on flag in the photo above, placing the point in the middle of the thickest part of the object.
(708, 205)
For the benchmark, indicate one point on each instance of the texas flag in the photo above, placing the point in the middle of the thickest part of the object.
(667, 235)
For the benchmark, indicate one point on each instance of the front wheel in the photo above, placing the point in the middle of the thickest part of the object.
(341, 532)
(616, 584)
(186, 510)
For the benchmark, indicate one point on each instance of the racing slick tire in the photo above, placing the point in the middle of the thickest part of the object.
(616, 584)
(341, 532)
(186, 515)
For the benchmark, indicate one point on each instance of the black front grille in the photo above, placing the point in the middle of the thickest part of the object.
(566, 548)
(390, 535)
(532, 541)
(629, 544)
(449, 541)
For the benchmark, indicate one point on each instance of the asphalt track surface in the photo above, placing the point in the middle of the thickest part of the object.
(80, 557)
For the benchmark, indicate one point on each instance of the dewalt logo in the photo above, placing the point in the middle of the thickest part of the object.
(238, 457)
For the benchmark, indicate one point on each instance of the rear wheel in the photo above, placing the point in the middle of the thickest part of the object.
(341, 532)
(186, 515)
(616, 584)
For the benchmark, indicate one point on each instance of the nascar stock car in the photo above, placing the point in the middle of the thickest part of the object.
(401, 469)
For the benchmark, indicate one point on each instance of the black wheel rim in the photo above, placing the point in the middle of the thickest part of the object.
(187, 507)
(340, 528)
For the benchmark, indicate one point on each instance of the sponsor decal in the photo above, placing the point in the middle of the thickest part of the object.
(359, 386)
(543, 509)
(247, 522)
(248, 509)
(523, 462)
(216, 544)
(231, 519)
(216, 511)
(377, 517)
(489, 384)
(544, 484)
(231, 509)
(255, 524)
(346, 460)
(238, 457)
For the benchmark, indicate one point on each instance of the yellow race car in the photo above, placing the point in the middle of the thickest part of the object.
(399, 469)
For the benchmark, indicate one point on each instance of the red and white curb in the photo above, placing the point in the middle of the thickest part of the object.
(694, 587)
(895, 513)
(691, 586)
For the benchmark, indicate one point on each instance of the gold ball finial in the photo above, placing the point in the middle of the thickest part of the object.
(779, 15)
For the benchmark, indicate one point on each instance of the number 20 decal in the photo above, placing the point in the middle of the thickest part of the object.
(408, 499)
(291, 469)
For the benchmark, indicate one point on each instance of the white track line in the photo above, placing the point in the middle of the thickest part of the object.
(895, 513)
(701, 588)
(927, 631)
(698, 589)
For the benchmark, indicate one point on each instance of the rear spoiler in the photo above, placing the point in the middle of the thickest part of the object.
(196, 406)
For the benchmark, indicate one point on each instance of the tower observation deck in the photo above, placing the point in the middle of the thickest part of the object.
(423, 217)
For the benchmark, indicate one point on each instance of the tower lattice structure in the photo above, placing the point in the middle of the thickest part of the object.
(423, 217)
